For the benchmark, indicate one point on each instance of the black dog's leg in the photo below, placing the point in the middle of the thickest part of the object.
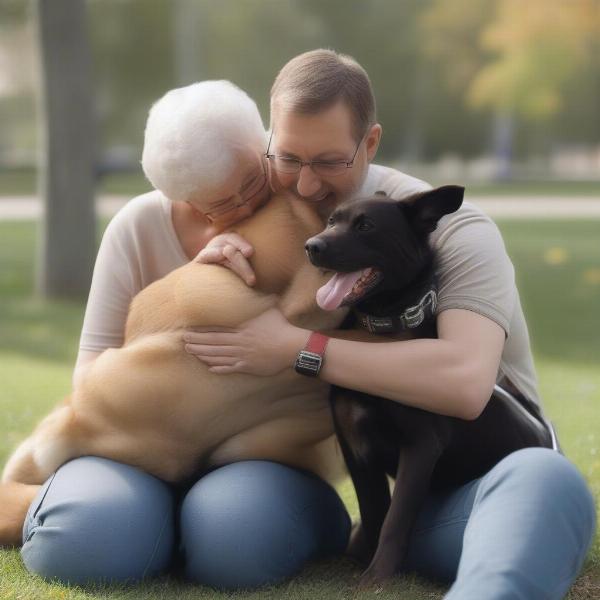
(369, 478)
(415, 466)
(373, 494)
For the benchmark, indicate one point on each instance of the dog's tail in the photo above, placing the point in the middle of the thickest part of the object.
(15, 499)
(53, 443)
(56, 440)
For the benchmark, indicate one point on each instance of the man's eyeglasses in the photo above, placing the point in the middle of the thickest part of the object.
(324, 168)
(249, 190)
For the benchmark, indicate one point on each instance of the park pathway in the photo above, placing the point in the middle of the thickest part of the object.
(25, 208)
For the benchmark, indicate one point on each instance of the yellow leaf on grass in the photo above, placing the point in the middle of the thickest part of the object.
(592, 276)
(556, 256)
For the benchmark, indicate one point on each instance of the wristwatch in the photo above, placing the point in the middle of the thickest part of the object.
(310, 359)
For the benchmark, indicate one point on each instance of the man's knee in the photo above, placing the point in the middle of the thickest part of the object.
(98, 520)
(257, 522)
(550, 480)
(544, 467)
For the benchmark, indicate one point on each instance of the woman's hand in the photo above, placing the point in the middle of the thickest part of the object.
(232, 251)
(264, 346)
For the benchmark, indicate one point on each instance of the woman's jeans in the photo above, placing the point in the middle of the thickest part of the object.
(521, 531)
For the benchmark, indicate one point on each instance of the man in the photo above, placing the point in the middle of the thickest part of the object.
(523, 529)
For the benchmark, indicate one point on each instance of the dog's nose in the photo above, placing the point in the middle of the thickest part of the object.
(314, 247)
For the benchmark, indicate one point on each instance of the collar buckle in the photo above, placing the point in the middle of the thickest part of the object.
(413, 316)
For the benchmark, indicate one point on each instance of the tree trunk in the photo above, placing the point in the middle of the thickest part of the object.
(66, 150)
(186, 41)
(503, 129)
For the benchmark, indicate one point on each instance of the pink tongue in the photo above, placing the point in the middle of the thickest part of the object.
(330, 296)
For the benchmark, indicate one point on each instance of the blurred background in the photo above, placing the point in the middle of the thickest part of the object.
(502, 96)
(477, 90)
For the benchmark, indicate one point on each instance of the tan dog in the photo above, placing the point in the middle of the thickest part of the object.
(152, 405)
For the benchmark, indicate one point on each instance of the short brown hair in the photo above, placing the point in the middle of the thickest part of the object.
(316, 80)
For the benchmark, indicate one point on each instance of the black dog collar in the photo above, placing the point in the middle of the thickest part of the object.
(411, 318)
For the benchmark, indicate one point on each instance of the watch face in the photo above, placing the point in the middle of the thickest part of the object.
(308, 363)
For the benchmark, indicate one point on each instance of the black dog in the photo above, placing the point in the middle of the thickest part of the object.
(385, 269)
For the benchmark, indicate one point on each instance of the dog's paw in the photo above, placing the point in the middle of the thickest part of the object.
(373, 581)
(358, 549)
(386, 564)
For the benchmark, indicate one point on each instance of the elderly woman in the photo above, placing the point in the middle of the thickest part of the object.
(241, 525)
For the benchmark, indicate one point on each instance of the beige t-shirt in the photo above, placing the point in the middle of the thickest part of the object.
(140, 246)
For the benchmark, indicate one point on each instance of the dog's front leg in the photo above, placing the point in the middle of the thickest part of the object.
(373, 495)
(368, 475)
(415, 466)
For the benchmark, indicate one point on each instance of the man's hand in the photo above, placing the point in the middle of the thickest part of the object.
(265, 345)
(232, 251)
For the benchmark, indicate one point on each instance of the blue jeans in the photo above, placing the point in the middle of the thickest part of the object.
(521, 531)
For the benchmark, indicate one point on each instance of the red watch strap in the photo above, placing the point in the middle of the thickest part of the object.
(317, 342)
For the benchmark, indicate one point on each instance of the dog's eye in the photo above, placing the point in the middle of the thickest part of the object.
(330, 221)
(363, 224)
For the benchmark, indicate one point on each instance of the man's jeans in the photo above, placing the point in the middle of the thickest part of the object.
(520, 532)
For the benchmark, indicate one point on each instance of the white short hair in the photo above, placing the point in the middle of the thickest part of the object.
(193, 135)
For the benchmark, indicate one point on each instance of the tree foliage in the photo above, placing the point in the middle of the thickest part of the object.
(440, 69)
(536, 48)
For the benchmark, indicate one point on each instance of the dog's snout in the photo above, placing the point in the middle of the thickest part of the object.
(315, 247)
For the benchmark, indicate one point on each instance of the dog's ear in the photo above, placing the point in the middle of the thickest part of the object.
(425, 210)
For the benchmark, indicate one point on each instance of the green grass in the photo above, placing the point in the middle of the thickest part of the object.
(22, 182)
(17, 182)
(558, 269)
(579, 189)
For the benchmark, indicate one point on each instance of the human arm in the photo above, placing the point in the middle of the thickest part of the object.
(135, 250)
(85, 358)
(452, 375)
(106, 309)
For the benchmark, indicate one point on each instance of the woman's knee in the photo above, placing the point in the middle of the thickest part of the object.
(257, 522)
(99, 520)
